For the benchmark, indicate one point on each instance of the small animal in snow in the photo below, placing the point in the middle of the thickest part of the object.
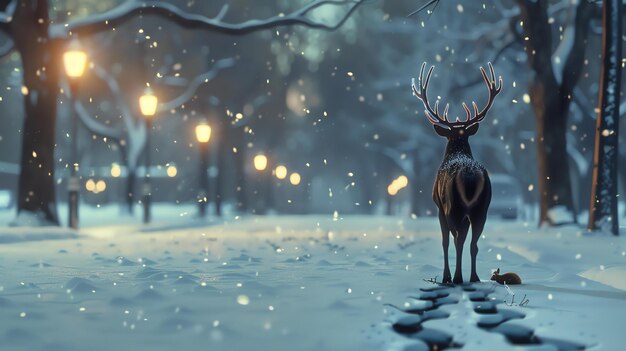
(509, 278)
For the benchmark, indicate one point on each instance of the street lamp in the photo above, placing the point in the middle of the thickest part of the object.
(260, 162)
(74, 62)
(280, 172)
(148, 103)
(294, 178)
(203, 135)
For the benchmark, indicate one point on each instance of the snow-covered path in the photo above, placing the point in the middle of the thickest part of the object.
(303, 283)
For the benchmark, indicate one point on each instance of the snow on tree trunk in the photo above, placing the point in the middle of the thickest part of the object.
(603, 208)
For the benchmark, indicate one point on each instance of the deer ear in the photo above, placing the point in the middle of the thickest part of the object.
(471, 130)
(498, 270)
(441, 130)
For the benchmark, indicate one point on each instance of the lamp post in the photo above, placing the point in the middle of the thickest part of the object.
(74, 62)
(262, 191)
(148, 105)
(203, 135)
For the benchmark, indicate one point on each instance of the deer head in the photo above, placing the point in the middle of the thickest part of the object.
(456, 129)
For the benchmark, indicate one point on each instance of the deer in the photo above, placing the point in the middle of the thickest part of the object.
(462, 189)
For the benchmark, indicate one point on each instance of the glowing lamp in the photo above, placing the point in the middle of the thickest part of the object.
(402, 181)
(100, 186)
(148, 103)
(171, 171)
(280, 172)
(116, 170)
(74, 61)
(392, 189)
(260, 162)
(295, 178)
(90, 185)
(203, 133)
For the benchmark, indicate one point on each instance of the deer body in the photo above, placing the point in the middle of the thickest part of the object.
(462, 193)
(462, 189)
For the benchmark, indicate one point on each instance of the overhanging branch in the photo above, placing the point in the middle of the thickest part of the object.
(196, 83)
(129, 10)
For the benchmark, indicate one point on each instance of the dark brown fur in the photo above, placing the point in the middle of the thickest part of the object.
(509, 278)
(462, 190)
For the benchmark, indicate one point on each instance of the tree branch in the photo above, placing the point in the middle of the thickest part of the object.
(129, 10)
(538, 39)
(196, 83)
(572, 69)
(6, 16)
(96, 127)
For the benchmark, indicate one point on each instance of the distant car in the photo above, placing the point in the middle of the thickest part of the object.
(506, 198)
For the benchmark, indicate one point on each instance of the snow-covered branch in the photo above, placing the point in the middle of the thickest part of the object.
(196, 83)
(96, 127)
(129, 10)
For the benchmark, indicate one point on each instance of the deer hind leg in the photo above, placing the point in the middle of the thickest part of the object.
(445, 241)
(478, 224)
(461, 233)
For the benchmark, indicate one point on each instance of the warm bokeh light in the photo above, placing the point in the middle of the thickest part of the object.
(397, 184)
(402, 181)
(392, 189)
(116, 170)
(260, 162)
(280, 172)
(74, 62)
(295, 178)
(171, 171)
(148, 103)
(90, 185)
(203, 133)
(100, 186)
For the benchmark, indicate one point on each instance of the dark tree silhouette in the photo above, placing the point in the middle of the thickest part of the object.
(550, 90)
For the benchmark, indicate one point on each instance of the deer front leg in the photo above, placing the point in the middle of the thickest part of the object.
(445, 241)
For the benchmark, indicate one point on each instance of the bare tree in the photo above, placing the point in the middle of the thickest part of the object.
(603, 209)
(556, 70)
(555, 76)
(40, 43)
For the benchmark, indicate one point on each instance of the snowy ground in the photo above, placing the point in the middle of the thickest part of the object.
(303, 283)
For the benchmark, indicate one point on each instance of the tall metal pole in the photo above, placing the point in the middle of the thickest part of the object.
(73, 185)
(203, 193)
(147, 192)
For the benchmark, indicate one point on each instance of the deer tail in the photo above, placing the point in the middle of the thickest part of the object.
(464, 186)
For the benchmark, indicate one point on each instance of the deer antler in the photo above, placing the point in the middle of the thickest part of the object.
(433, 114)
(494, 90)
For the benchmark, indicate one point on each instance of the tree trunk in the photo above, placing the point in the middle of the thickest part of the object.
(219, 180)
(550, 92)
(240, 172)
(603, 208)
(415, 189)
(131, 179)
(555, 189)
(40, 64)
